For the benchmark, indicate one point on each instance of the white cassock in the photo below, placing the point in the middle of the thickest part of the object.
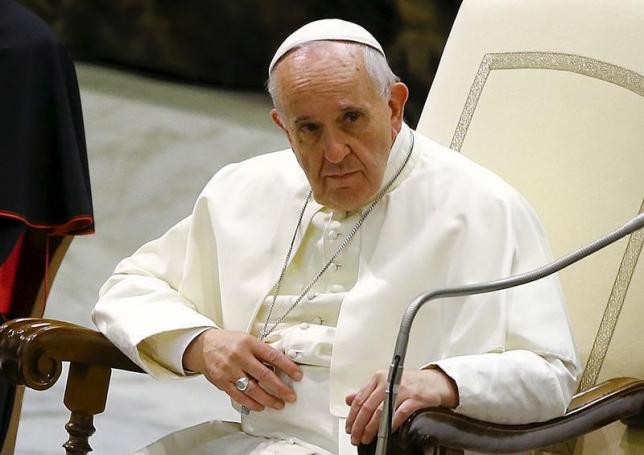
(444, 222)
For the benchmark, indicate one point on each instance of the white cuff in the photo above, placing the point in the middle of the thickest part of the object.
(167, 348)
(512, 387)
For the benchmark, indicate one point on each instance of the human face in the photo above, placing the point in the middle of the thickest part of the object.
(340, 127)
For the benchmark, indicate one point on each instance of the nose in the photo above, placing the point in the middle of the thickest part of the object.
(335, 147)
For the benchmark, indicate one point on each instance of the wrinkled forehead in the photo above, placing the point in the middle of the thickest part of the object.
(321, 52)
(319, 80)
(320, 55)
(321, 67)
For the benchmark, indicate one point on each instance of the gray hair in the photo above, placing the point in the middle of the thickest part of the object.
(375, 63)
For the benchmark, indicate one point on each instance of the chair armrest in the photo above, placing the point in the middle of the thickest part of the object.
(601, 405)
(32, 351)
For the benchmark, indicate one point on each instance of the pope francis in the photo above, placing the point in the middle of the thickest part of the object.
(286, 285)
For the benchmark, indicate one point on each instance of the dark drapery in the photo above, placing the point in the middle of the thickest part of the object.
(44, 177)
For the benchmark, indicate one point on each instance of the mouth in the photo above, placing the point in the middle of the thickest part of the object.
(343, 181)
(337, 174)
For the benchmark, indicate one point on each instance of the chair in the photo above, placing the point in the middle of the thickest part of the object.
(550, 96)
(553, 57)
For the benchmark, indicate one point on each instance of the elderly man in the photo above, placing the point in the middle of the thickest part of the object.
(286, 284)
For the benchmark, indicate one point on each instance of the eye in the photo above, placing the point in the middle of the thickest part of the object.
(352, 116)
(308, 128)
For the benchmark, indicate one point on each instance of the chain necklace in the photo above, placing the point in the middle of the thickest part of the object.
(266, 330)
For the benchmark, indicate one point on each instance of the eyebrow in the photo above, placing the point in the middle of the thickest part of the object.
(303, 119)
(352, 108)
(308, 118)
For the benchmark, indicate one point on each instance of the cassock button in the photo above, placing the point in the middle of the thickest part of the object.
(333, 234)
(311, 295)
(317, 320)
(333, 267)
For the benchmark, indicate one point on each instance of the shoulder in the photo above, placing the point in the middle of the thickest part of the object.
(258, 177)
(20, 28)
(453, 181)
(476, 204)
(33, 52)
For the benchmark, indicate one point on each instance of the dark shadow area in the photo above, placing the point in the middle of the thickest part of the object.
(230, 44)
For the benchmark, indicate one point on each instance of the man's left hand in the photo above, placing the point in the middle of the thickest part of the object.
(418, 389)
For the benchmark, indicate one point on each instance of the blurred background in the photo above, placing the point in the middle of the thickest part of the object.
(230, 43)
(171, 92)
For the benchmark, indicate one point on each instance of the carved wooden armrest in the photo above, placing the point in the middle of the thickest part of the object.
(449, 432)
(32, 352)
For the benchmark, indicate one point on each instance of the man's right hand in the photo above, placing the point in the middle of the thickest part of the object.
(224, 356)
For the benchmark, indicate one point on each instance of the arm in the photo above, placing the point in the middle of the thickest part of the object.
(167, 296)
(529, 377)
(144, 298)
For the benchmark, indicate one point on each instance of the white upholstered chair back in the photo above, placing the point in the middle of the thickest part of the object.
(549, 94)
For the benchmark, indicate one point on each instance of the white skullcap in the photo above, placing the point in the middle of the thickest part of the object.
(324, 30)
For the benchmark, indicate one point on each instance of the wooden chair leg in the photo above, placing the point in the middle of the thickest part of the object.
(85, 396)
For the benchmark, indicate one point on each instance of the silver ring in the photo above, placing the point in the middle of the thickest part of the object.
(241, 384)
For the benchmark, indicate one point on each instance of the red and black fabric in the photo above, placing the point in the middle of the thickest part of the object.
(44, 179)
(44, 176)
(12, 236)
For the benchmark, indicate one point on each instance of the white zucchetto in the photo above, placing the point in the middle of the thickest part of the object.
(326, 30)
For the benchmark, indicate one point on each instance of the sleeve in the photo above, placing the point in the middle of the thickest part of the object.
(167, 349)
(534, 375)
(513, 387)
(158, 291)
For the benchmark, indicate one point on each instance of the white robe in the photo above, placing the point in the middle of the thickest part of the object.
(445, 222)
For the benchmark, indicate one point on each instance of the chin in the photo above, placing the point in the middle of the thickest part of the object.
(349, 201)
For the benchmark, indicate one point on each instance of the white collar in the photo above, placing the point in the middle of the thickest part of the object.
(397, 156)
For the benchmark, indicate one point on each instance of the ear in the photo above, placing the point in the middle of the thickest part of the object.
(397, 99)
(275, 117)
(277, 120)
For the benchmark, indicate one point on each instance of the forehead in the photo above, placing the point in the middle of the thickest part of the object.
(324, 72)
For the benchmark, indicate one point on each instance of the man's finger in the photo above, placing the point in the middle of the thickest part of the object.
(242, 398)
(402, 413)
(358, 400)
(371, 428)
(258, 394)
(268, 380)
(367, 410)
(406, 409)
(349, 398)
(274, 357)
